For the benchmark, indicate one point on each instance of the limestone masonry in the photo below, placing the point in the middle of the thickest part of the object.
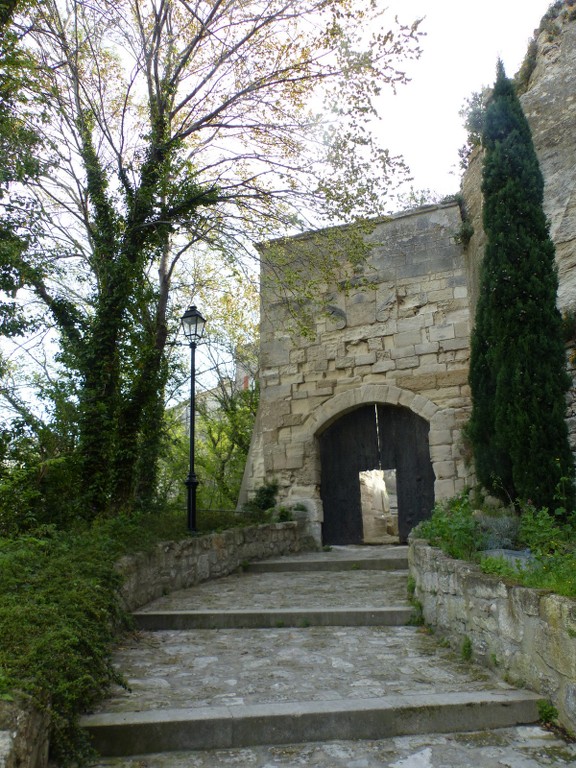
(525, 635)
(402, 338)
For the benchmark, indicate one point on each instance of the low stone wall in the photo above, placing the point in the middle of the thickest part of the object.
(527, 636)
(176, 565)
(169, 566)
(23, 737)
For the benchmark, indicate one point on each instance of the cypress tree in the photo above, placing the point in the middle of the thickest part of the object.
(518, 374)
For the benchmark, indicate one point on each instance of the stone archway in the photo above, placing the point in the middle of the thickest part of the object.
(374, 437)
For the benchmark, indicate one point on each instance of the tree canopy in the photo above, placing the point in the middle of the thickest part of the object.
(167, 127)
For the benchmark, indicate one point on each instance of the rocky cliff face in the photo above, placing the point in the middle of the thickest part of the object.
(550, 106)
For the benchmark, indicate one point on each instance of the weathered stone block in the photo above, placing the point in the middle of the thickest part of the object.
(383, 366)
(441, 332)
(365, 359)
(401, 352)
(407, 362)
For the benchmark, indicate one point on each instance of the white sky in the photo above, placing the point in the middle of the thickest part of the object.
(463, 43)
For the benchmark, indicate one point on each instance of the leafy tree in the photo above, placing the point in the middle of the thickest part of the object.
(472, 114)
(169, 125)
(517, 370)
(18, 145)
(227, 362)
(225, 423)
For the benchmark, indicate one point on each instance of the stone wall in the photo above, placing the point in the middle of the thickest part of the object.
(526, 636)
(399, 337)
(172, 565)
(24, 738)
(176, 565)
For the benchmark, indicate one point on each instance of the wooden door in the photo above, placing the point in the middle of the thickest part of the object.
(374, 437)
(347, 447)
(403, 440)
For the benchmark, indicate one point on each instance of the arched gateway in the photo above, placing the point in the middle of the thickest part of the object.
(380, 387)
(387, 441)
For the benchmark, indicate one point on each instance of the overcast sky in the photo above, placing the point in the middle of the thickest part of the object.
(463, 43)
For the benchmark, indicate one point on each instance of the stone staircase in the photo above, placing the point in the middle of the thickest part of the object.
(310, 648)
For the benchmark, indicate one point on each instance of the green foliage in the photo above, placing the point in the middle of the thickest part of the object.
(224, 424)
(60, 615)
(473, 115)
(540, 531)
(37, 475)
(517, 370)
(569, 325)
(417, 616)
(58, 619)
(498, 566)
(522, 78)
(265, 496)
(223, 435)
(260, 508)
(462, 532)
(453, 528)
(137, 178)
(466, 649)
(464, 234)
(547, 712)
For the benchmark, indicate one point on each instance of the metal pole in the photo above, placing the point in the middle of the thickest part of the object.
(192, 480)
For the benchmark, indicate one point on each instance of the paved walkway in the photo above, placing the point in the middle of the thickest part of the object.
(340, 677)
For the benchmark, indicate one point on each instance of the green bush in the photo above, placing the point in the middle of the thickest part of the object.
(540, 531)
(453, 528)
(462, 532)
(260, 508)
(60, 615)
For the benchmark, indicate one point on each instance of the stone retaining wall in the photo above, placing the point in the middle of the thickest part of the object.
(169, 566)
(176, 565)
(527, 636)
(23, 737)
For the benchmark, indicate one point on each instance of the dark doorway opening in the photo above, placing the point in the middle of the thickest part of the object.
(381, 438)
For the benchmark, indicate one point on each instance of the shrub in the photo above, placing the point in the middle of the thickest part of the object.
(517, 426)
(453, 528)
(59, 617)
(260, 508)
(462, 533)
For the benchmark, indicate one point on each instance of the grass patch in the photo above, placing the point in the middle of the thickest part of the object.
(466, 649)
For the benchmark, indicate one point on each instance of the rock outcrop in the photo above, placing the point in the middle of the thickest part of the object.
(550, 106)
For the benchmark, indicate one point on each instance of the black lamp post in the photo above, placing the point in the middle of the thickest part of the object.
(193, 325)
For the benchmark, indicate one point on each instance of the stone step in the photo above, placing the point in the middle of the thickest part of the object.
(168, 730)
(295, 590)
(263, 619)
(376, 559)
(180, 669)
(520, 746)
